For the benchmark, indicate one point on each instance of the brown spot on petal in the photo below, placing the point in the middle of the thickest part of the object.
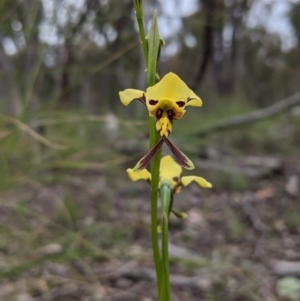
(153, 102)
(142, 99)
(159, 113)
(170, 114)
(189, 99)
(181, 103)
(175, 179)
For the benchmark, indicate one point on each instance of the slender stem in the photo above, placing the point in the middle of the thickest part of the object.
(151, 50)
(154, 189)
(166, 292)
(166, 198)
(155, 164)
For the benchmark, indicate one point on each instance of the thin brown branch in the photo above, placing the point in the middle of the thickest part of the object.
(232, 122)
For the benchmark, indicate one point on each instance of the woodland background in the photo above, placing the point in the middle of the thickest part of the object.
(72, 226)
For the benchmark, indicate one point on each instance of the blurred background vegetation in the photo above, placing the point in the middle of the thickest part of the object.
(72, 226)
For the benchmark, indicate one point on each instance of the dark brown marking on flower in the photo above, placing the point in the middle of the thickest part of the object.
(180, 103)
(142, 99)
(153, 102)
(175, 179)
(177, 188)
(159, 113)
(189, 99)
(170, 114)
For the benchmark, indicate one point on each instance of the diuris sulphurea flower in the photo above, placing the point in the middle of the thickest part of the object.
(166, 101)
(169, 172)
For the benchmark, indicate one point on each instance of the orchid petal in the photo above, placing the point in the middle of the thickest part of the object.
(193, 100)
(202, 182)
(170, 87)
(139, 175)
(128, 95)
(170, 170)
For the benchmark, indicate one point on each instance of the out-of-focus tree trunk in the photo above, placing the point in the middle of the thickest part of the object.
(226, 44)
(209, 7)
(120, 27)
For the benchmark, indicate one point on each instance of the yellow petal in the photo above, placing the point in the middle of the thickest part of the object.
(139, 175)
(170, 170)
(202, 182)
(172, 88)
(194, 101)
(128, 95)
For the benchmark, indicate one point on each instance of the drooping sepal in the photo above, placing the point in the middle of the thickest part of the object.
(179, 156)
(139, 175)
(144, 162)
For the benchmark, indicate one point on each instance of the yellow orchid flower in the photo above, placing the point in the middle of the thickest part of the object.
(169, 171)
(166, 101)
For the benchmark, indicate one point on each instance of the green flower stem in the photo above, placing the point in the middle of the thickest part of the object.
(154, 189)
(166, 198)
(153, 50)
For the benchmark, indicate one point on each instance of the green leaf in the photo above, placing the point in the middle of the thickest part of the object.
(153, 50)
